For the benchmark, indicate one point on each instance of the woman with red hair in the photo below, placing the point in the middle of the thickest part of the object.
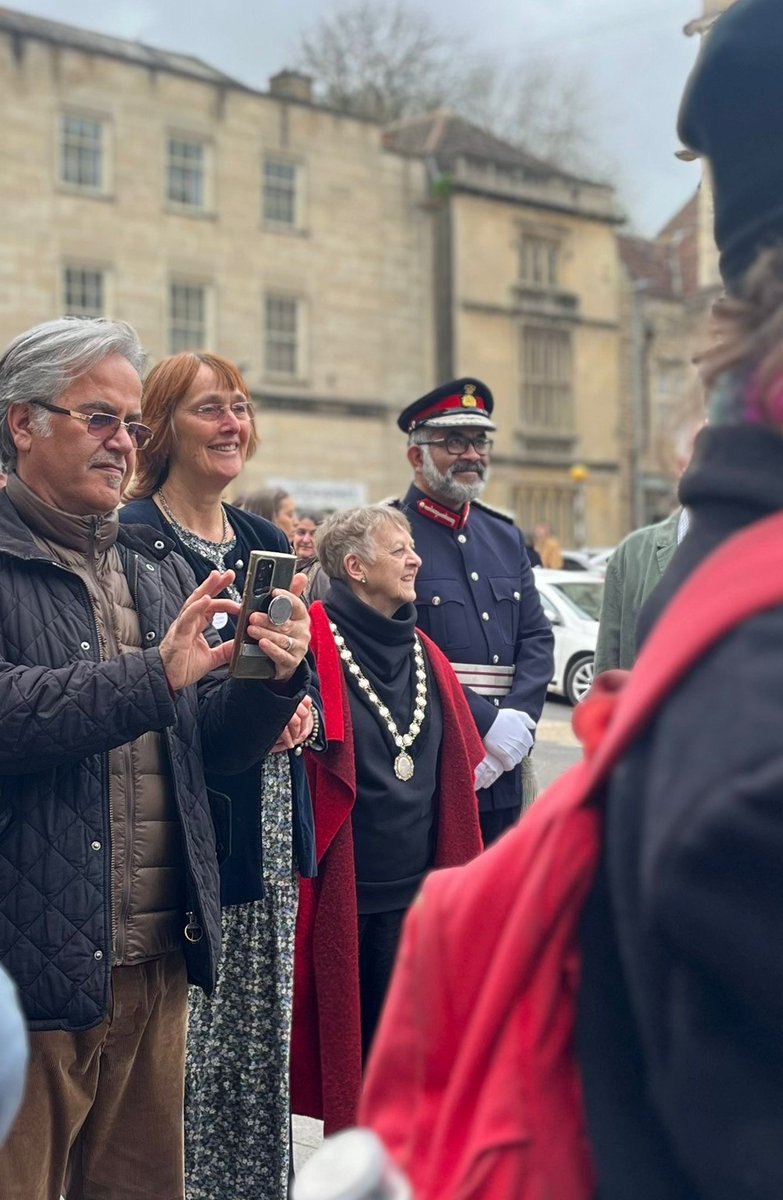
(237, 1093)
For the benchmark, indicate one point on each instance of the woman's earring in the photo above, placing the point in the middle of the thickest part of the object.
(363, 579)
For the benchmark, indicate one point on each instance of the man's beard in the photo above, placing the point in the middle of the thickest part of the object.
(448, 486)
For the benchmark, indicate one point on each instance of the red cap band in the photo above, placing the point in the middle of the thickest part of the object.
(454, 403)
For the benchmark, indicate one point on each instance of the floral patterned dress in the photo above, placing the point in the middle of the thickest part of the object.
(237, 1109)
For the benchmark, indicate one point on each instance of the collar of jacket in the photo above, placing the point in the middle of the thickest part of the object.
(16, 537)
(434, 511)
(735, 464)
(86, 534)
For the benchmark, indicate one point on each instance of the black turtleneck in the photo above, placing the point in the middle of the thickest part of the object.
(393, 820)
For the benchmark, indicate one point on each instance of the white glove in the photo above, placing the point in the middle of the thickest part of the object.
(510, 737)
(487, 772)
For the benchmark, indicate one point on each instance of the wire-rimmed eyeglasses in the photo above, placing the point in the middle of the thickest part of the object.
(243, 410)
(99, 424)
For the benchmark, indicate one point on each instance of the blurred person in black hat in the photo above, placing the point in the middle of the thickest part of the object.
(476, 596)
(681, 1005)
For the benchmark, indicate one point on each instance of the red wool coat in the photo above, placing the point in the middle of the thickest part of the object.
(326, 1052)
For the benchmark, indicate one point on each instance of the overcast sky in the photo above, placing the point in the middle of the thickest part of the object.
(633, 53)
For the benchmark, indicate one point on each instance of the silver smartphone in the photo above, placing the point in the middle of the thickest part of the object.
(267, 570)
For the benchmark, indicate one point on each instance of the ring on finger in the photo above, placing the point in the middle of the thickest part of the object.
(290, 645)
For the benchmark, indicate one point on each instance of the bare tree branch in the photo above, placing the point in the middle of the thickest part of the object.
(538, 104)
(379, 60)
(387, 60)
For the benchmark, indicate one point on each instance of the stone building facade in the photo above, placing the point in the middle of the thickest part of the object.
(346, 269)
(667, 291)
(668, 284)
(527, 279)
(149, 186)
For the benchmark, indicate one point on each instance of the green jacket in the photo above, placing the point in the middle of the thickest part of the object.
(634, 570)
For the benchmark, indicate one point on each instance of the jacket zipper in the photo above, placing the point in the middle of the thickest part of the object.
(104, 657)
(120, 928)
(127, 759)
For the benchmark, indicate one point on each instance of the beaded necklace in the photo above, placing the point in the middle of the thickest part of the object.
(214, 552)
(403, 763)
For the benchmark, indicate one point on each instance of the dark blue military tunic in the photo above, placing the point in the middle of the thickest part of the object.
(477, 600)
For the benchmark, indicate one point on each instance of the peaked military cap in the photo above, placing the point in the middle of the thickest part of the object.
(732, 114)
(460, 402)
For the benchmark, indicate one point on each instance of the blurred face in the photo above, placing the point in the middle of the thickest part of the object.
(285, 518)
(453, 478)
(391, 578)
(70, 468)
(212, 429)
(304, 545)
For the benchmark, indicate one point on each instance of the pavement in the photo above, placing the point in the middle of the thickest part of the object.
(557, 749)
(308, 1135)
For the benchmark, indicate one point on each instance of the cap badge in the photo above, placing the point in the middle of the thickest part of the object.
(468, 399)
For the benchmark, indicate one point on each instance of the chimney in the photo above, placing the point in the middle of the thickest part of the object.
(292, 85)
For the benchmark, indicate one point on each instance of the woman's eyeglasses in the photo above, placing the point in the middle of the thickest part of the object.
(243, 410)
(100, 424)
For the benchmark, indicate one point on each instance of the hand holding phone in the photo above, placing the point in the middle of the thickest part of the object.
(267, 571)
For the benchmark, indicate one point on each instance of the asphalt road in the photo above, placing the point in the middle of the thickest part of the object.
(556, 746)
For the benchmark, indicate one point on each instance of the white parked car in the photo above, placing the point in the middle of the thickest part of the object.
(572, 602)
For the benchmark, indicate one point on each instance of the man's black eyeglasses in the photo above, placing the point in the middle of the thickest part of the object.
(455, 443)
(100, 424)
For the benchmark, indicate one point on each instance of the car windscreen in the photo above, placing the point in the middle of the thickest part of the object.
(585, 597)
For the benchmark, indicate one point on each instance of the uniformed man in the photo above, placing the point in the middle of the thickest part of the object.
(476, 595)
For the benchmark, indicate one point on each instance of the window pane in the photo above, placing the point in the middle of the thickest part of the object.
(554, 505)
(280, 192)
(185, 172)
(83, 292)
(585, 597)
(547, 396)
(539, 260)
(282, 321)
(81, 151)
(187, 317)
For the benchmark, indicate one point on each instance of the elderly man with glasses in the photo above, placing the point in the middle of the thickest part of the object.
(113, 701)
(476, 596)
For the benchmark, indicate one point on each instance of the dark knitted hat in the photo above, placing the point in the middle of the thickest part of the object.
(732, 113)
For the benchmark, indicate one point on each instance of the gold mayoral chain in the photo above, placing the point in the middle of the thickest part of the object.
(403, 763)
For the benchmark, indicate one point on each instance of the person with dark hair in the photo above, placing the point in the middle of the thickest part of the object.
(204, 429)
(275, 505)
(307, 560)
(681, 1038)
(114, 700)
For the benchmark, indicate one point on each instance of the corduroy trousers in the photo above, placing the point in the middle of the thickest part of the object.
(102, 1113)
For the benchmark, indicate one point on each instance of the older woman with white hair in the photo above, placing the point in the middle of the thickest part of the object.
(393, 797)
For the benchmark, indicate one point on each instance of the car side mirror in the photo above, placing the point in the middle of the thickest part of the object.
(551, 615)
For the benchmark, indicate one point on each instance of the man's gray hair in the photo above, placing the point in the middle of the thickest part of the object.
(353, 532)
(419, 435)
(43, 362)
